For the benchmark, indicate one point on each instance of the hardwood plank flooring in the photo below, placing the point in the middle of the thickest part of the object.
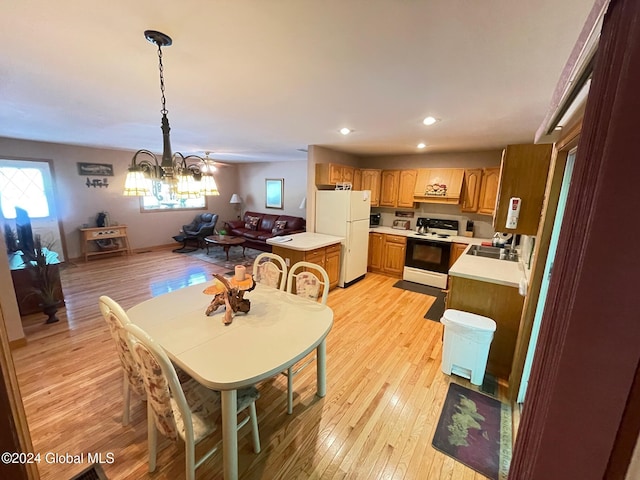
(384, 385)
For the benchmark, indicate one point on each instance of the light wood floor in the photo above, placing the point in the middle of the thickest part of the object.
(384, 385)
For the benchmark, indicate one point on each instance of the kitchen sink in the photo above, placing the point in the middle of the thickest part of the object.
(493, 252)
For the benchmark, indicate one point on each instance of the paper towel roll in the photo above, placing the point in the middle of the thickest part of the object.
(523, 287)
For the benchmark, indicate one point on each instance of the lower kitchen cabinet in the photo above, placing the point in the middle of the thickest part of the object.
(456, 250)
(501, 303)
(386, 253)
(326, 257)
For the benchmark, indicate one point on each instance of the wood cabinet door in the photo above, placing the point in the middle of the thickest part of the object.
(488, 191)
(347, 174)
(389, 188)
(371, 181)
(332, 266)
(471, 190)
(456, 252)
(523, 174)
(407, 184)
(393, 258)
(376, 244)
(357, 179)
(335, 173)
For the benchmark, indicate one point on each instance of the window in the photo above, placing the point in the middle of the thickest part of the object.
(164, 199)
(22, 184)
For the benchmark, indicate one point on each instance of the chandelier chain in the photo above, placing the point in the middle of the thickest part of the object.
(164, 110)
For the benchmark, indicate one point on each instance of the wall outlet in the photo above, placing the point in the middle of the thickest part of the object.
(287, 262)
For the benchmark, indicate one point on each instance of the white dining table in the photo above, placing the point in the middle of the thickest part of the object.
(279, 330)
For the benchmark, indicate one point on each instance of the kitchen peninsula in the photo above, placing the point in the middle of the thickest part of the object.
(489, 287)
(318, 248)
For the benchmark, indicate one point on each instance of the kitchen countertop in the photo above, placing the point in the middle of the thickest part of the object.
(490, 270)
(305, 241)
(412, 233)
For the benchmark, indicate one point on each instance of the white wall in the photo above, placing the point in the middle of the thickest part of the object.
(77, 204)
(251, 186)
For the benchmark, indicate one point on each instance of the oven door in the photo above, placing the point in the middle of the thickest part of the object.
(429, 255)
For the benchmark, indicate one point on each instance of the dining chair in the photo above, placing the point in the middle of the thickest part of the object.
(270, 269)
(187, 411)
(312, 286)
(116, 319)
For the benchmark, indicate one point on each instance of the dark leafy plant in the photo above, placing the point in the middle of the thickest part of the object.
(46, 280)
(10, 239)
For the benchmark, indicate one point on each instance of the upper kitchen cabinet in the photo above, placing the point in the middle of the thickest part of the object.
(406, 188)
(371, 181)
(390, 186)
(471, 190)
(523, 174)
(330, 174)
(438, 185)
(397, 188)
(488, 191)
(357, 179)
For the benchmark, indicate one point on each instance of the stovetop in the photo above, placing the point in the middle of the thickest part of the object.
(437, 229)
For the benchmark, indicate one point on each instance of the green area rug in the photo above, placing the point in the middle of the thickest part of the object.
(475, 430)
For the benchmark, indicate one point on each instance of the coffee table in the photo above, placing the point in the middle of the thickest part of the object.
(225, 241)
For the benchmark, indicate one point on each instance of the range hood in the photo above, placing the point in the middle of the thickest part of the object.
(438, 185)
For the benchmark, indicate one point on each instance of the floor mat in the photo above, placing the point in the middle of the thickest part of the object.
(475, 430)
(437, 308)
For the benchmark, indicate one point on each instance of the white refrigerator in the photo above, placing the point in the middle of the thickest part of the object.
(345, 213)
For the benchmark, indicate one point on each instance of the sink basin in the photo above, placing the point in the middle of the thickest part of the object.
(493, 252)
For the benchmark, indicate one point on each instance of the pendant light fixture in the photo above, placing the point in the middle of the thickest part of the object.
(188, 176)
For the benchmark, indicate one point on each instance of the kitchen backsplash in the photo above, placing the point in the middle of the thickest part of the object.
(481, 223)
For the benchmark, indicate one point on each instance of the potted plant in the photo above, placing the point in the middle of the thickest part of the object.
(222, 232)
(46, 280)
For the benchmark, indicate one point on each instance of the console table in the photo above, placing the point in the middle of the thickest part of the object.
(104, 233)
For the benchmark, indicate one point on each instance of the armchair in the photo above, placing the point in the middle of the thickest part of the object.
(202, 226)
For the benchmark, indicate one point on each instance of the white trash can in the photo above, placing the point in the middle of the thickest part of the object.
(467, 339)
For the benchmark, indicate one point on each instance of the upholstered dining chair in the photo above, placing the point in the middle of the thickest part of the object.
(312, 286)
(116, 319)
(187, 411)
(270, 269)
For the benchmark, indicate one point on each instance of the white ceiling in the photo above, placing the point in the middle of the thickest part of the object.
(255, 80)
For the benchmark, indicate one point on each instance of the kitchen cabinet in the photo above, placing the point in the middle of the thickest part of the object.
(438, 185)
(456, 251)
(371, 181)
(488, 191)
(390, 184)
(523, 174)
(406, 188)
(471, 190)
(397, 188)
(502, 304)
(357, 179)
(330, 174)
(393, 255)
(376, 246)
(386, 253)
(327, 257)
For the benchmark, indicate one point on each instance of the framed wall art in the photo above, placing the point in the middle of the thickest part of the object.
(95, 169)
(274, 188)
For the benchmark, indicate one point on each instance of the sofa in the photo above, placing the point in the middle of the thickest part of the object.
(256, 228)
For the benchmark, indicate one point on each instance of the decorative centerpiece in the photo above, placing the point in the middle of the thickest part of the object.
(230, 293)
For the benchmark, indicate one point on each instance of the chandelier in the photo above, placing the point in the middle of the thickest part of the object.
(188, 176)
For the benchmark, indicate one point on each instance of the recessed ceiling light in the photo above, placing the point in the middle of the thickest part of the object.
(429, 120)
(421, 145)
(345, 131)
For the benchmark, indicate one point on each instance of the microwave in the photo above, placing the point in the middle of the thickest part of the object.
(374, 220)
